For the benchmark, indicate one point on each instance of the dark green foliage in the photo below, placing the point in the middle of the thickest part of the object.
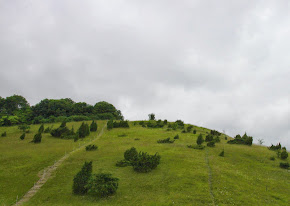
(200, 139)
(37, 138)
(63, 124)
(47, 130)
(211, 144)
(183, 131)
(84, 130)
(123, 163)
(246, 140)
(130, 154)
(151, 116)
(217, 139)
(94, 126)
(194, 131)
(122, 135)
(165, 122)
(22, 136)
(209, 138)
(121, 124)
(167, 140)
(179, 123)
(215, 133)
(62, 132)
(222, 154)
(284, 165)
(145, 162)
(102, 185)
(174, 126)
(41, 128)
(155, 124)
(176, 137)
(4, 134)
(196, 146)
(137, 139)
(226, 138)
(189, 128)
(81, 179)
(284, 155)
(272, 158)
(110, 124)
(277, 147)
(23, 127)
(142, 123)
(91, 147)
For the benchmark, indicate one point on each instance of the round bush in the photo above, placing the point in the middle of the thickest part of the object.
(284, 155)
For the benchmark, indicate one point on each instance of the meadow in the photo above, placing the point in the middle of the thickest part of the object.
(185, 176)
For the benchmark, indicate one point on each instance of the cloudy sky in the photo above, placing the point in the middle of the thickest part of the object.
(219, 64)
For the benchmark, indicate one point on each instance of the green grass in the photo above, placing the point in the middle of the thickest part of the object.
(244, 176)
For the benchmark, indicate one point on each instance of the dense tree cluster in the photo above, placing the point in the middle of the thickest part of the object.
(246, 140)
(16, 110)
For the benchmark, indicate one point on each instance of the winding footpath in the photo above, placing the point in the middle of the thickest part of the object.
(209, 177)
(47, 172)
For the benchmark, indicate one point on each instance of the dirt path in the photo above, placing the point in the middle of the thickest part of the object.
(209, 177)
(46, 174)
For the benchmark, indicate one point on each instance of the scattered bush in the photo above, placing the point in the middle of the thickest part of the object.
(137, 139)
(211, 144)
(215, 133)
(217, 139)
(183, 131)
(194, 131)
(196, 146)
(165, 121)
(222, 154)
(84, 130)
(200, 139)
(176, 137)
(180, 123)
(284, 165)
(62, 132)
(110, 124)
(209, 138)
(91, 147)
(167, 140)
(23, 127)
(94, 126)
(102, 185)
(47, 130)
(189, 128)
(284, 155)
(277, 147)
(145, 162)
(81, 179)
(272, 158)
(130, 154)
(41, 128)
(246, 140)
(22, 136)
(226, 138)
(123, 163)
(37, 138)
(4, 134)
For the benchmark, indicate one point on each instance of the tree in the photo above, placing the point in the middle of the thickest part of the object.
(94, 126)
(84, 130)
(151, 116)
(200, 139)
(41, 128)
(81, 179)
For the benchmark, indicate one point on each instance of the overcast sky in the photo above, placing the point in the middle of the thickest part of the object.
(223, 65)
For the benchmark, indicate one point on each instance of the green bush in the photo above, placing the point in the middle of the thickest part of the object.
(246, 140)
(176, 137)
(189, 128)
(284, 155)
(130, 154)
(211, 144)
(226, 138)
(123, 163)
(23, 127)
(22, 136)
(284, 165)
(217, 139)
(222, 154)
(167, 140)
(94, 126)
(196, 146)
(122, 135)
(41, 128)
(37, 138)
(4, 134)
(209, 138)
(194, 131)
(200, 139)
(145, 162)
(47, 130)
(272, 158)
(183, 131)
(81, 179)
(84, 130)
(102, 185)
(110, 124)
(91, 147)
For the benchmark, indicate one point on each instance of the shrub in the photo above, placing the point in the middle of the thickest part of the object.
(23, 127)
(123, 163)
(277, 147)
(189, 128)
(222, 154)
(226, 138)
(217, 139)
(272, 158)
(122, 135)
(84, 130)
(215, 133)
(41, 128)
(102, 185)
(110, 124)
(179, 123)
(47, 130)
(94, 126)
(165, 121)
(176, 137)
(200, 139)
(91, 147)
(4, 134)
(194, 131)
(151, 116)
(145, 162)
(167, 140)
(37, 138)
(62, 132)
(246, 140)
(130, 154)
(284, 155)
(196, 146)
(137, 139)
(209, 138)
(63, 124)
(22, 136)
(81, 179)
(211, 144)
(284, 165)
(183, 131)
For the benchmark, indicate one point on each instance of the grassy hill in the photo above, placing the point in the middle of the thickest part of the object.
(185, 176)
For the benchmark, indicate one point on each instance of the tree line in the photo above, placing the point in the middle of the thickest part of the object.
(16, 110)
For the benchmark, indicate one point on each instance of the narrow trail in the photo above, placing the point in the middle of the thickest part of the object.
(47, 172)
(209, 177)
